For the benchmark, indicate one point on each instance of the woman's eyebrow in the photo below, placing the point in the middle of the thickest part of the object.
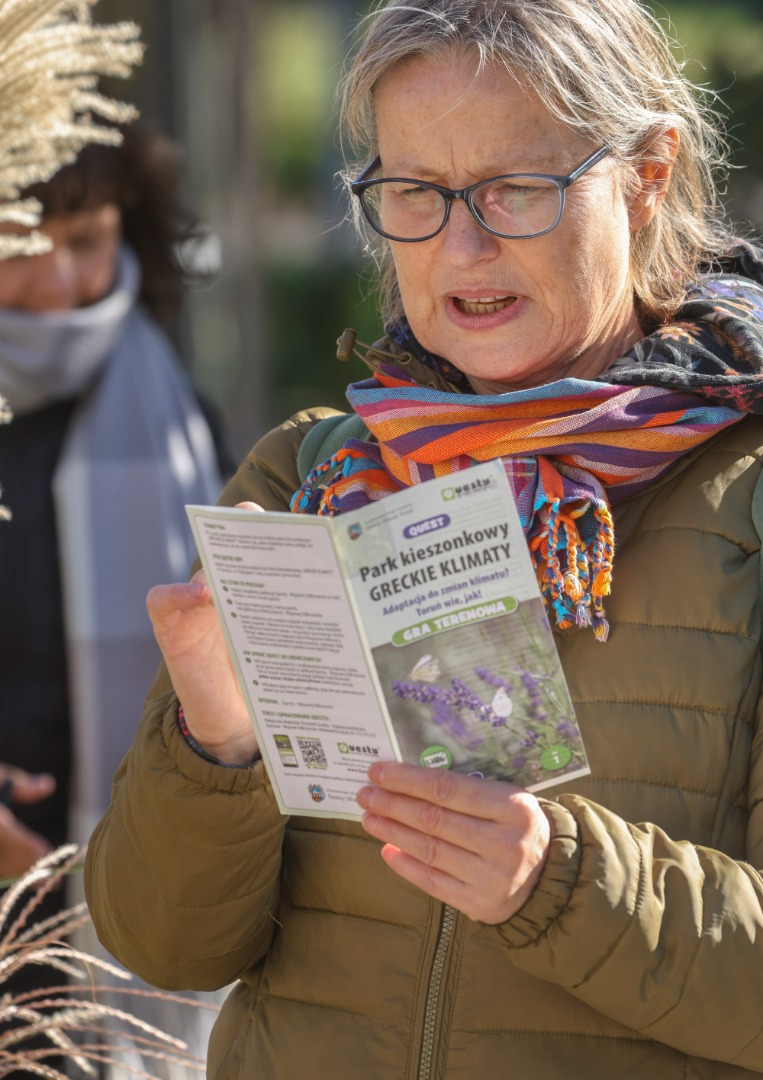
(416, 169)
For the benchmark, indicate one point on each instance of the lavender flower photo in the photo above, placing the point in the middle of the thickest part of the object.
(488, 698)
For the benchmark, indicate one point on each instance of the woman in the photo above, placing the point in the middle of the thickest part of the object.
(560, 293)
(108, 440)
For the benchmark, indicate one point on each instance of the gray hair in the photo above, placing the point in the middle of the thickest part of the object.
(603, 67)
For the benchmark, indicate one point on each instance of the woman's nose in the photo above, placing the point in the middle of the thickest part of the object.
(465, 241)
(56, 280)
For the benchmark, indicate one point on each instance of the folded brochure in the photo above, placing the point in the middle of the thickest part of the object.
(410, 629)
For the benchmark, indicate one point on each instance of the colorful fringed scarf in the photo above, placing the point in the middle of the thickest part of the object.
(570, 448)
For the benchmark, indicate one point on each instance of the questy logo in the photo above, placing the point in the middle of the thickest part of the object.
(468, 487)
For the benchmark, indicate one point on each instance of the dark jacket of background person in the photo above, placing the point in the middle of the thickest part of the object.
(388, 982)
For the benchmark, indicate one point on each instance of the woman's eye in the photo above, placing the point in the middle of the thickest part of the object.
(83, 243)
(509, 191)
(525, 195)
(414, 191)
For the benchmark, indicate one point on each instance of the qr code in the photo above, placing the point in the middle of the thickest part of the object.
(312, 753)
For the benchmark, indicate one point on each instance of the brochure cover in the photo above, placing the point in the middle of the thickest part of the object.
(411, 629)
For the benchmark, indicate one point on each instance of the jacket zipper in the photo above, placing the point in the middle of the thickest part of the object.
(444, 937)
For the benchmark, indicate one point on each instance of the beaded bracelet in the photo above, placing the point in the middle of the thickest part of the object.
(195, 746)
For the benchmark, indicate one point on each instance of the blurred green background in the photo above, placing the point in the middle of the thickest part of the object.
(247, 87)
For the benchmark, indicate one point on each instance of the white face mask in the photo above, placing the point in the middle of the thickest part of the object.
(53, 356)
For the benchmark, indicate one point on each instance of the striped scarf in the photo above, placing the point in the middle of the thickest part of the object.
(571, 449)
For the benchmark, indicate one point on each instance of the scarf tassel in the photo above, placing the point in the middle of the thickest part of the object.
(317, 494)
(575, 594)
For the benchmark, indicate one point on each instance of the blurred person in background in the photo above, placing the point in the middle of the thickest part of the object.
(562, 292)
(109, 440)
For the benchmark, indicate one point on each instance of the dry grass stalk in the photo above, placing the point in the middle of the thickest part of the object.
(51, 55)
(62, 1017)
(5, 417)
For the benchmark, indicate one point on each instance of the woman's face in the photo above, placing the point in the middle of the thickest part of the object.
(554, 306)
(78, 271)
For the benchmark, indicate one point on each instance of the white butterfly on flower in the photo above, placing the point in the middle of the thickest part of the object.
(501, 704)
(427, 669)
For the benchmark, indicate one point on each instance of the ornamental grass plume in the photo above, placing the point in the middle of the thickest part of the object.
(71, 1023)
(5, 416)
(51, 55)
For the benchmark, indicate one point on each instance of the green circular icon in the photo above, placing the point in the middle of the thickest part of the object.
(436, 757)
(555, 757)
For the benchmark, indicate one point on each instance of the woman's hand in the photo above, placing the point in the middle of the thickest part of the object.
(478, 845)
(20, 847)
(189, 634)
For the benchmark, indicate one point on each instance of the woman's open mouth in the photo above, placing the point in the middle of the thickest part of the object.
(483, 305)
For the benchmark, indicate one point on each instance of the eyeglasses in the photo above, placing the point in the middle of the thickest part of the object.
(516, 206)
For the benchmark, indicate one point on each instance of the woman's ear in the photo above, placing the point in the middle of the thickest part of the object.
(652, 179)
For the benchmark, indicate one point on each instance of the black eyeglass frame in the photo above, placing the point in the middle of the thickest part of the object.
(359, 186)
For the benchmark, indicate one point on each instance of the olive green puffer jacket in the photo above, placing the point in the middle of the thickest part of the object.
(640, 953)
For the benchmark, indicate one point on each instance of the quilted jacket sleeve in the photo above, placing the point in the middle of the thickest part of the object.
(662, 936)
(182, 871)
